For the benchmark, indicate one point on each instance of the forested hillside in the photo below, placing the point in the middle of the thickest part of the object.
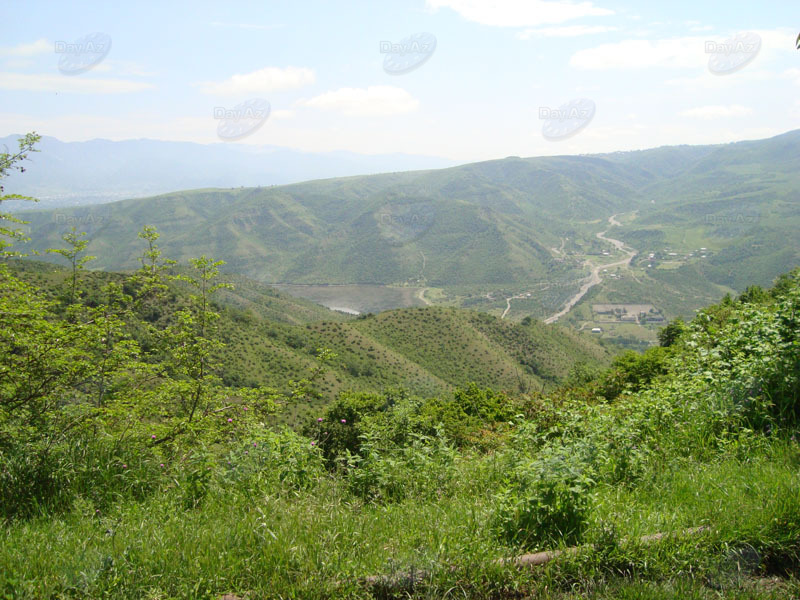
(487, 230)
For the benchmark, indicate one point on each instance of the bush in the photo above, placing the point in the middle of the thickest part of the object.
(338, 429)
(631, 372)
(422, 469)
(473, 417)
(546, 501)
(281, 458)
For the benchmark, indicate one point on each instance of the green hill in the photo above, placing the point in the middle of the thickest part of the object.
(272, 338)
(501, 225)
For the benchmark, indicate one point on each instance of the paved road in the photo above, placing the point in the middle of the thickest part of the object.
(594, 277)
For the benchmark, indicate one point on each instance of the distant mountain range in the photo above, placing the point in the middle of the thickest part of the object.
(487, 230)
(97, 171)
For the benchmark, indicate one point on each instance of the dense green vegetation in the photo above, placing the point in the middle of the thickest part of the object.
(135, 464)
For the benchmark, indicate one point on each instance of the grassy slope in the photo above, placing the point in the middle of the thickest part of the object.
(427, 351)
(321, 545)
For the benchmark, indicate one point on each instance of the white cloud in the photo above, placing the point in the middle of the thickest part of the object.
(41, 46)
(676, 53)
(520, 13)
(687, 52)
(263, 81)
(792, 75)
(379, 100)
(567, 31)
(18, 63)
(282, 114)
(707, 81)
(122, 67)
(61, 83)
(247, 25)
(717, 111)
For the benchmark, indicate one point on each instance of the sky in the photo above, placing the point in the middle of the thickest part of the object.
(466, 80)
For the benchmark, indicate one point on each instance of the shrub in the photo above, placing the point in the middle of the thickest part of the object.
(281, 458)
(546, 501)
(631, 372)
(339, 428)
(422, 469)
(472, 417)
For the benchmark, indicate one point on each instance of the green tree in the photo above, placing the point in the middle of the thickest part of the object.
(667, 336)
(151, 278)
(191, 402)
(56, 375)
(77, 245)
(10, 162)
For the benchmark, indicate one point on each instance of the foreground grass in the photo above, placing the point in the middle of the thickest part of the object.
(321, 543)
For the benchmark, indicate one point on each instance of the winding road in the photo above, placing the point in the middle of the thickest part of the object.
(594, 278)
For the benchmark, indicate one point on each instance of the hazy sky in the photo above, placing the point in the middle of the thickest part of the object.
(641, 71)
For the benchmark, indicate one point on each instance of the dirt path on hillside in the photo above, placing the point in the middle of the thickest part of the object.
(508, 306)
(526, 294)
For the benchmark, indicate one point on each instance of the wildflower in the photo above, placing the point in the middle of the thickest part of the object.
(245, 408)
(162, 465)
(124, 466)
(153, 436)
(344, 420)
(313, 443)
(230, 420)
(254, 444)
(319, 420)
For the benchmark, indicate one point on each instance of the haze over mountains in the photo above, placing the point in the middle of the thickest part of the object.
(485, 233)
(99, 170)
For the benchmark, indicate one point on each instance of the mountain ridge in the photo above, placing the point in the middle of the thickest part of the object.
(101, 170)
(487, 226)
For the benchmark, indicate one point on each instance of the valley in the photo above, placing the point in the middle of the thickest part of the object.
(515, 237)
(594, 277)
(357, 299)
